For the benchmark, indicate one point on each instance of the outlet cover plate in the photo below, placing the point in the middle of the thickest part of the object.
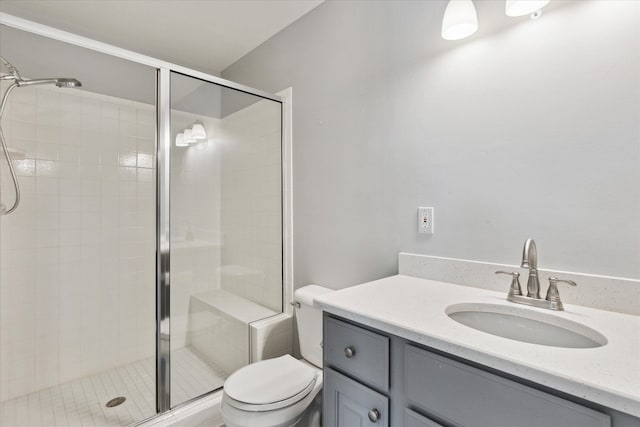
(425, 220)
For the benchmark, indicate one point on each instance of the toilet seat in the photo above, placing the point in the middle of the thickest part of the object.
(270, 384)
(271, 406)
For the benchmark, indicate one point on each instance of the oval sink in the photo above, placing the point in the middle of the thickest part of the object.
(525, 325)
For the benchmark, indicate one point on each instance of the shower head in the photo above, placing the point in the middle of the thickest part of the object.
(65, 82)
(60, 82)
(14, 75)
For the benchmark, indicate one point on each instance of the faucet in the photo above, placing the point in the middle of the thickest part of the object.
(530, 261)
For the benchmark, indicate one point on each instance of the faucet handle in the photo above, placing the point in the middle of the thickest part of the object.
(552, 292)
(510, 273)
(515, 282)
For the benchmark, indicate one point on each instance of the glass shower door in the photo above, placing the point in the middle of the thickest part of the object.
(226, 229)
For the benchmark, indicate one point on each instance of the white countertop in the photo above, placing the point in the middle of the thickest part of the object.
(414, 309)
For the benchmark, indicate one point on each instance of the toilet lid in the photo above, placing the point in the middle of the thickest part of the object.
(270, 381)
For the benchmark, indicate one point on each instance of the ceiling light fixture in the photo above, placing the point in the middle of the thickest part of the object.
(193, 135)
(460, 20)
(180, 140)
(525, 7)
(198, 132)
(188, 137)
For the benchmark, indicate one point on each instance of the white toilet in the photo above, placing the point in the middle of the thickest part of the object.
(284, 391)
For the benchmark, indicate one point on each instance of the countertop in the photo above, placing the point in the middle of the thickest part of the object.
(414, 309)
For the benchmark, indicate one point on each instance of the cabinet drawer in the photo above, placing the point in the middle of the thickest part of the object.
(466, 396)
(413, 419)
(348, 403)
(357, 351)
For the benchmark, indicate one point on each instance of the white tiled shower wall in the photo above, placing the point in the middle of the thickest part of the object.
(77, 280)
(252, 204)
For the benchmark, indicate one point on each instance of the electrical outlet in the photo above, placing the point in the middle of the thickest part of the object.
(425, 220)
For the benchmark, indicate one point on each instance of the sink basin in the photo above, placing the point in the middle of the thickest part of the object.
(525, 325)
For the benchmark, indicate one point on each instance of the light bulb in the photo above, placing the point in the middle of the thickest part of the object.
(180, 141)
(198, 132)
(523, 7)
(460, 20)
(188, 136)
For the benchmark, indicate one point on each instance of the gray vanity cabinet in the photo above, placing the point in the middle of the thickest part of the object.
(413, 419)
(466, 396)
(355, 396)
(376, 379)
(352, 404)
(361, 353)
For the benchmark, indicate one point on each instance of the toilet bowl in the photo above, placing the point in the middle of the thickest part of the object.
(283, 391)
(271, 393)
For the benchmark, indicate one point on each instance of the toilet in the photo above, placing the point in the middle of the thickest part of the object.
(283, 391)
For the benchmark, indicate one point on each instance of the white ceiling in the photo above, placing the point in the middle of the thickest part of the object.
(206, 35)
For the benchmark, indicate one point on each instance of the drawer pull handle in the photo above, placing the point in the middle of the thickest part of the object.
(374, 415)
(349, 352)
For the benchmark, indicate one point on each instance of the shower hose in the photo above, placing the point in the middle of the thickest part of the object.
(12, 171)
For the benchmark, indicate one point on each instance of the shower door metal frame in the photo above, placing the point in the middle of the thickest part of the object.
(74, 39)
(163, 147)
(163, 242)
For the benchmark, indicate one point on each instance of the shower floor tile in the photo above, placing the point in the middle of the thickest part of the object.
(82, 402)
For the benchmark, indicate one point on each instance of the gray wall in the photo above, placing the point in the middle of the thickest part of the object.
(527, 129)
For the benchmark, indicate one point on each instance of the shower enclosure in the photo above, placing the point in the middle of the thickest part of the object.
(149, 235)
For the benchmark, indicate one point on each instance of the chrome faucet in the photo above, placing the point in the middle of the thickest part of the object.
(530, 261)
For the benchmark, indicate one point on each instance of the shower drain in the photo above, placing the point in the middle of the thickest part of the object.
(116, 401)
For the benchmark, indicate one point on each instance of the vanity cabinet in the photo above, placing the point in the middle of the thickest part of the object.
(356, 396)
(413, 419)
(372, 378)
(361, 353)
(467, 396)
(353, 404)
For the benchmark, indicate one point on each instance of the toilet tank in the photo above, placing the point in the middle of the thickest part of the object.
(309, 322)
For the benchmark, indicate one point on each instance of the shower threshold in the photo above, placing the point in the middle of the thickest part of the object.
(82, 402)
